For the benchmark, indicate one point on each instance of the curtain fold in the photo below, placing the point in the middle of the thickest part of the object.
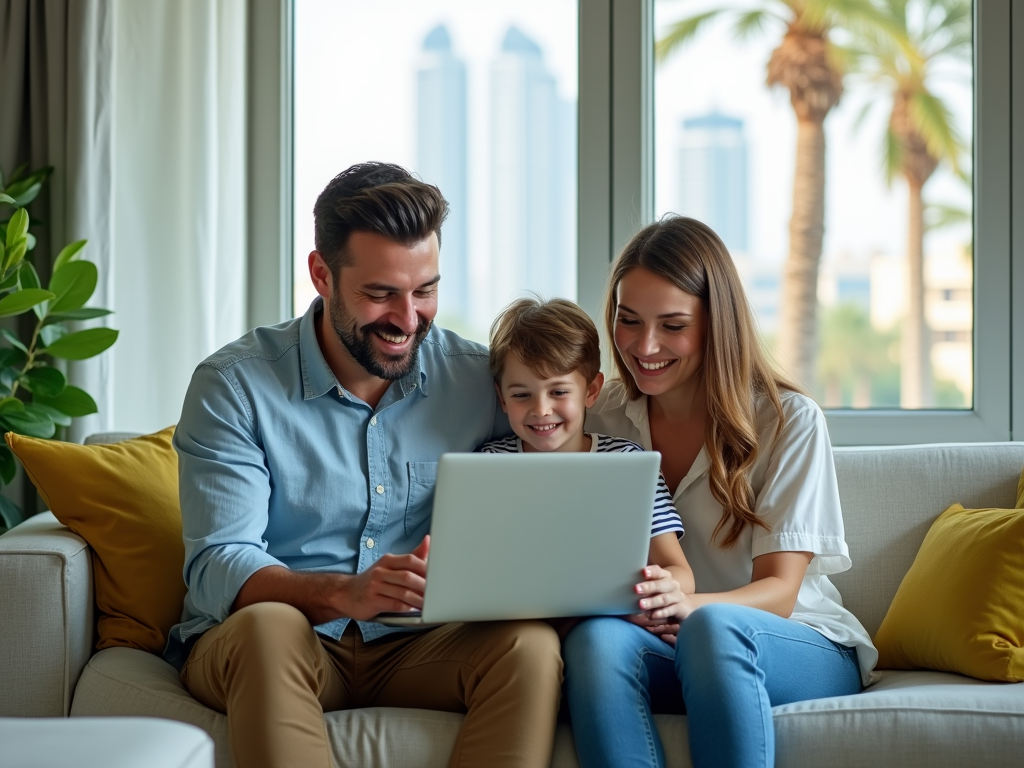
(141, 109)
(179, 197)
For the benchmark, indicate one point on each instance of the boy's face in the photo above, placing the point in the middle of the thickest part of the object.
(547, 413)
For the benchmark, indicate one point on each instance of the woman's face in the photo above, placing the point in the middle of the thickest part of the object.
(659, 332)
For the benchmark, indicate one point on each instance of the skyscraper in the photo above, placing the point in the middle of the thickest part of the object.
(713, 176)
(532, 175)
(441, 159)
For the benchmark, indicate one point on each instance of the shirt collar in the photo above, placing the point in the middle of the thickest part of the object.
(318, 378)
(636, 411)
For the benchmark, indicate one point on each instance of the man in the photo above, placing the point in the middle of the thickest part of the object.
(307, 456)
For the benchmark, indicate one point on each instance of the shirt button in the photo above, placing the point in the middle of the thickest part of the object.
(379, 489)
(373, 422)
(369, 543)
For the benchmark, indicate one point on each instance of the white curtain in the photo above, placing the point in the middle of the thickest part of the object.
(140, 105)
(179, 198)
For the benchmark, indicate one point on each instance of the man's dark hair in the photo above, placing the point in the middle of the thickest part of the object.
(375, 197)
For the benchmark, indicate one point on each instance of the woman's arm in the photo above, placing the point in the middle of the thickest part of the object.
(773, 587)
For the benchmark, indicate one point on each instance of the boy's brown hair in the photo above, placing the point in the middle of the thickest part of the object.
(552, 337)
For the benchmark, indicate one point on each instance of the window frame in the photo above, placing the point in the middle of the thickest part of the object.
(617, 194)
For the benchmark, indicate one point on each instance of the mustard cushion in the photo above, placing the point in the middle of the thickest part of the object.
(960, 608)
(123, 500)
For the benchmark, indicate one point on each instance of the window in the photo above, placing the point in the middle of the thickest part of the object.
(477, 98)
(751, 150)
(618, 191)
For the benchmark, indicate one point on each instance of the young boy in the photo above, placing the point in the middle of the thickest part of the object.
(546, 358)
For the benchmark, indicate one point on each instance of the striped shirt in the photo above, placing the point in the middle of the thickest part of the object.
(666, 518)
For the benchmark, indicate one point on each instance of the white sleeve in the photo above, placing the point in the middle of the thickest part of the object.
(799, 494)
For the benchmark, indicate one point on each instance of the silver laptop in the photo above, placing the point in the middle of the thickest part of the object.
(536, 535)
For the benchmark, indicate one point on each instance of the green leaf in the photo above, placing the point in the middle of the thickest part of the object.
(8, 376)
(31, 422)
(17, 173)
(27, 276)
(28, 195)
(45, 381)
(50, 333)
(8, 464)
(8, 334)
(11, 281)
(67, 253)
(16, 254)
(59, 418)
(85, 313)
(11, 405)
(6, 198)
(20, 301)
(83, 344)
(10, 512)
(73, 284)
(17, 227)
(72, 401)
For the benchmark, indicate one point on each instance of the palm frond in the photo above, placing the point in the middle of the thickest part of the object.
(941, 215)
(892, 155)
(682, 32)
(934, 121)
(752, 23)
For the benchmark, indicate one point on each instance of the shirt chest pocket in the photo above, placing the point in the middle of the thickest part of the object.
(422, 478)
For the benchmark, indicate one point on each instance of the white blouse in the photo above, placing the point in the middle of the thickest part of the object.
(795, 492)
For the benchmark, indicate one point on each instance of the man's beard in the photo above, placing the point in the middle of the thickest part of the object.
(359, 343)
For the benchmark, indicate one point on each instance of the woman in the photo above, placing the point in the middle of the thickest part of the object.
(748, 460)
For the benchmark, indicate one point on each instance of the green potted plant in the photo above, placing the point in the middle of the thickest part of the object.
(35, 397)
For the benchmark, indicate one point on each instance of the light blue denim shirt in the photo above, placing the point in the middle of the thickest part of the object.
(280, 465)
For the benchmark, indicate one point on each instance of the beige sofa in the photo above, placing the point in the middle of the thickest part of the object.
(911, 718)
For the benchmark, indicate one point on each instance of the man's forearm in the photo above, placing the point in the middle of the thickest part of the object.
(317, 595)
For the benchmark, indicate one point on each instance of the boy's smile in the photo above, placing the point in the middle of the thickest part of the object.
(547, 413)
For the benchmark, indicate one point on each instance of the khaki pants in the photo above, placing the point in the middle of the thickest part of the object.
(274, 677)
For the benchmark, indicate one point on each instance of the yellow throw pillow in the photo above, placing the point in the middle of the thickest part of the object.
(122, 498)
(960, 607)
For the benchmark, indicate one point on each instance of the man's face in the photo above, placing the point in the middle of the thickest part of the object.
(383, 302)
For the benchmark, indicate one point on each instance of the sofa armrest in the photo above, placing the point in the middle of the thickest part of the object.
(46, 617)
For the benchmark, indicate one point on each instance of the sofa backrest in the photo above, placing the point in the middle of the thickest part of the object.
(891, 496)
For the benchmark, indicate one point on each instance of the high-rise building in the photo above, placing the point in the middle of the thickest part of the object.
(713, 176)
(441, 159)
(533, 175)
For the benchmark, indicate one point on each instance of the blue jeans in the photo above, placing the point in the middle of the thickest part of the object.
(731, 665)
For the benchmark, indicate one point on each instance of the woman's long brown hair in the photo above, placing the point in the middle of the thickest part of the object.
(736, 370)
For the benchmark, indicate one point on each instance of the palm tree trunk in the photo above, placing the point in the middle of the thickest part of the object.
(915, 370)
(798, 320)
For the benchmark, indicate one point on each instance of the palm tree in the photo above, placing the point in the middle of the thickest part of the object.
(853, 353)
(811, 68)
(919, 136)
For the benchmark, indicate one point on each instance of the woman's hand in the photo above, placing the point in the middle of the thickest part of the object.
(666, 630)
(661, 598)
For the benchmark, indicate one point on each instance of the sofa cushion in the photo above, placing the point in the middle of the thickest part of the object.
(910, 719)
(958, 607)
(123, 500)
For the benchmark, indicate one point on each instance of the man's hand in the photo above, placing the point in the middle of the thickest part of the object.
(393, 583)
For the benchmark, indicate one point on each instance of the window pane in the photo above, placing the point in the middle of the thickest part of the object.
(477, 98)
(865, 295)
